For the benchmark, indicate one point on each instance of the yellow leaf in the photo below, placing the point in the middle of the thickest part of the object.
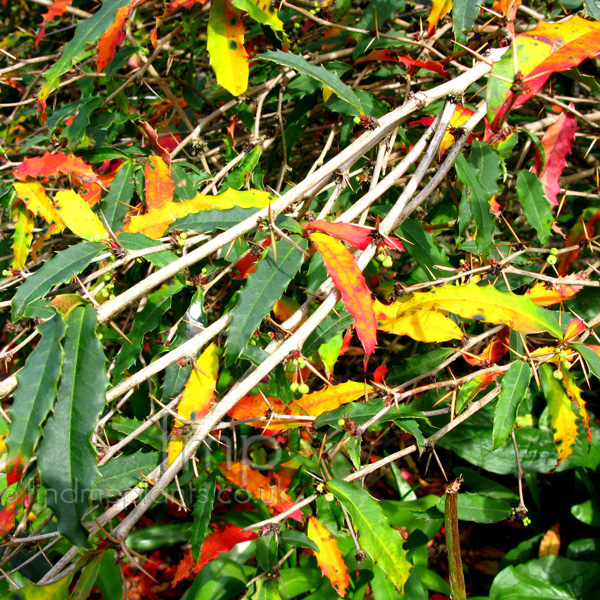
(439, 10)
(197, 396)
(550, 544)
(329, 398)
(32, 193)
(22, 236)
(79, 217)
(562, 415)
(157, 220)
(423, 326)
(228, 57)
(329, 557)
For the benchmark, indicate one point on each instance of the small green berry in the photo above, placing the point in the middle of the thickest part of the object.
(5, 273)
(111, 297)
(303, 388)
(301, 363)
(341, 422)
(562, 354)
(253, 341)
(388, 262)
(357, 120)
(104, 293)
(183, 236)
(181, 243)
(551, 260)
(566, 365)
(294, 387)
(143, 485)
(554, 251)
(320, 488)
(558, 374)
(381, 257)
(295, 362)
(526, 521)
(329, 497)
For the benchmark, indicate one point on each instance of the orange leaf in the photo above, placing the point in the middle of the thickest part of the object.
(550, 544)
(52, 165)
(56, 10)
(509, 9)
(284, 308)
(439, 10)
(547, 49)
(155, 143)
(557, 144)
(574, 328)
(461, 115)
(544, 296)
(159, 183)
(112, 37)
(329, 557)
(358, 236)
(260, 487)
(347, 277)
(157, 220)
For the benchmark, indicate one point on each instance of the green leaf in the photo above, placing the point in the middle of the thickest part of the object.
(123, 472)
(60, 269)
(547, 578)
(152, 436)
(36, 391)
(592, 8)
(514, 388)
(266, 589)
(381, 542)
(116, 203)
(207, 221)
(265, 286)
(75, 131)
(335, 322)
(592, 360)
(203, 506)
(587, 512)
(417, 365)
(321, 74)
(422, 247)
(158, 536)
(146, 320)
(296, 539)
(266, 552)
(473, 442)
(536, 207)
(53, 591)
(66, 457)
(255, 10)
(464, 13)
(479, 508)
(241, 174)
(478, 196)
(88, 31)
(87, 579)
(138, 241)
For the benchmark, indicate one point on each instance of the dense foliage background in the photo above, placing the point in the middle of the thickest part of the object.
(299, 299)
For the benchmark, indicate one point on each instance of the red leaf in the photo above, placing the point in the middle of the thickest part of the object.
(56, 10)
(223, 540)
(380, 372)
(52, 165)
(413, 63)
(493, 352)
(574, 328)
(350, 281)
(557, 144)
(247, 265)
(156, 145)
(509, 9)
(112, 37)
(358, 236)
(159, 183)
